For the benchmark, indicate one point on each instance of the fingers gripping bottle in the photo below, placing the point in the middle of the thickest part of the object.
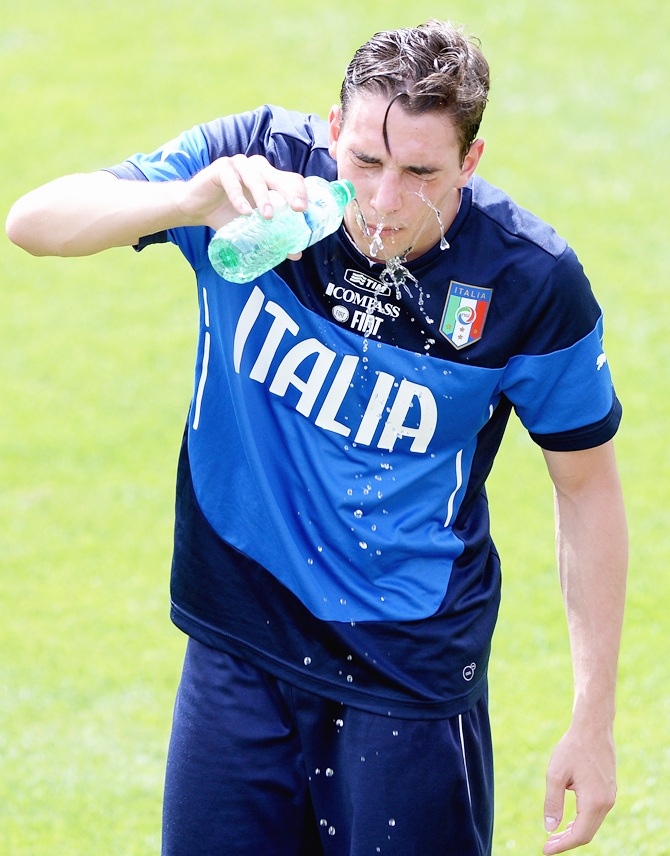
(250, 245)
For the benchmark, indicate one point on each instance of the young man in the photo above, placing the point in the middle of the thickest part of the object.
(333, 565)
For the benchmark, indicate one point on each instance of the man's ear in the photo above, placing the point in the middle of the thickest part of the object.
(471, 162)
(334, 122)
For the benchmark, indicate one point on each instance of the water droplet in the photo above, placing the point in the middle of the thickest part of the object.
(339, 723)
(331, 830)
(391, 822)
(323, 822)
(350, 679)
(310, 561)
(363, 758)
(329, 772)
(358, 513)
(307, 661)
(395, 733)
(343, 601)
(363, 545)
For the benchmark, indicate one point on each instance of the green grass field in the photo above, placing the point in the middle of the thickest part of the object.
(96, 369)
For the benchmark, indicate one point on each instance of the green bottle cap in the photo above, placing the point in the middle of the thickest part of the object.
(348, 189)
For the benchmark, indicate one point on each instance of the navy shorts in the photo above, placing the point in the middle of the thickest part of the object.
(257, 767)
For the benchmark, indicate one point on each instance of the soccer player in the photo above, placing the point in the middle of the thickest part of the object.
(333, 565)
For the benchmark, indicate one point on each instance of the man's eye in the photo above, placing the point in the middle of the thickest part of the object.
(364, 162)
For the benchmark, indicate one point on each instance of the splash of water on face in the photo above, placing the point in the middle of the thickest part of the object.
(395, 273)
(376, 245)
(444, 244)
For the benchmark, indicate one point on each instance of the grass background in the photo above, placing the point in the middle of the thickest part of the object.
(96, 364)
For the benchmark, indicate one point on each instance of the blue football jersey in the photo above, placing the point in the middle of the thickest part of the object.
(332, 523)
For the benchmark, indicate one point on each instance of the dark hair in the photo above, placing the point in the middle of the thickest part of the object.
(430, 67)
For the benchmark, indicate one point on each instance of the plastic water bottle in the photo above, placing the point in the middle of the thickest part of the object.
(251, 245)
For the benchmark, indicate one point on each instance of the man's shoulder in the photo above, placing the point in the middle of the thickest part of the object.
(264, 130)
(507, 217)
(307, 126)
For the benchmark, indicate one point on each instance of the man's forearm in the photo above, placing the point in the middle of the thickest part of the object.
(592, 550)
(78, 215)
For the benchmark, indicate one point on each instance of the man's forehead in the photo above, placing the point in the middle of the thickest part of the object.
(374, 128)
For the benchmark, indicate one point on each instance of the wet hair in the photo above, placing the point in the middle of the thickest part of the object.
(432, 67)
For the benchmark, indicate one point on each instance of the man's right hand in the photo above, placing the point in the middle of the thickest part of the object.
(231, 186)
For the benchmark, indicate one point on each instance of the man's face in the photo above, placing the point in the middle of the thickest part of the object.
(399, 188)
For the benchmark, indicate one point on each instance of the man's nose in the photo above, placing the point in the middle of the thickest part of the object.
(387, 197)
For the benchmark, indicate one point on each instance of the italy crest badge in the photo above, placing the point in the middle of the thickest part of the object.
(465, 313)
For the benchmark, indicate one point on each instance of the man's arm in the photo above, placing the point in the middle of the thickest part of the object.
(592, 548)
(78, 215)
